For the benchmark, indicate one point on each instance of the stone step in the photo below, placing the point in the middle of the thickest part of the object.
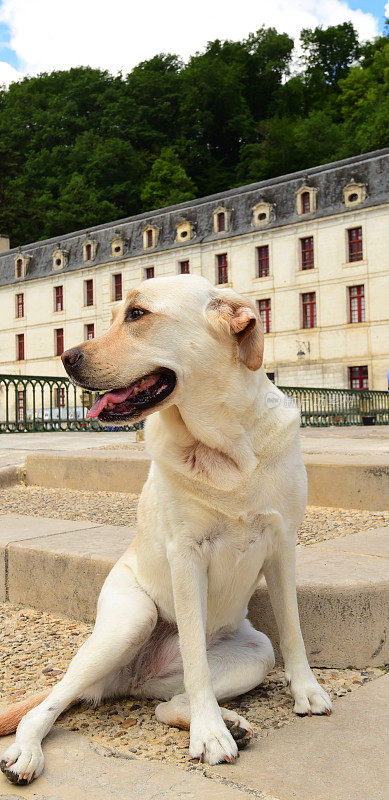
(343, 584)
(340, 481)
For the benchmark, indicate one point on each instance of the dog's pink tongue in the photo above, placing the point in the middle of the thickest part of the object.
(116, 396)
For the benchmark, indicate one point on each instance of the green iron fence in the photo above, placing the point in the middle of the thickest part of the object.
(40, 403)
(324, 407)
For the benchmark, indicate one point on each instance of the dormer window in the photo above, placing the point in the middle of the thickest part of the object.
(150, 237)
(354, 194)
(263, 213)
(60, 259)
(89, 249)
(305, 200)
(184, 231)
(22, 261)
(221, 220)
(117, 245)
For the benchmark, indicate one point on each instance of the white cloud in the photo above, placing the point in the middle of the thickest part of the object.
(8, 74)
(117, 34)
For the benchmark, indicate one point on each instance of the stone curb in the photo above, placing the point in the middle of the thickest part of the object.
(11, 475)
(343, 584)
(340, 482)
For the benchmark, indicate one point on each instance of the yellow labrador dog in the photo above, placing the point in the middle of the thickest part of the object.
(224, 497)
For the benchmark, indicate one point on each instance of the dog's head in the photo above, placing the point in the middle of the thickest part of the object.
(166, 331)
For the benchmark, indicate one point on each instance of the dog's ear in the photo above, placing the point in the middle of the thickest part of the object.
(238, 317)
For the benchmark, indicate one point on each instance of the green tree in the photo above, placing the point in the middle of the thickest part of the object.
(168, 182)
(328, 54)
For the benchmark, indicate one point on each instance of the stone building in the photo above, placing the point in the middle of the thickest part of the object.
(310, 249)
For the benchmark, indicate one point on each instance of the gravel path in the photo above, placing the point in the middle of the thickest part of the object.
(36, 648)
(115, 508)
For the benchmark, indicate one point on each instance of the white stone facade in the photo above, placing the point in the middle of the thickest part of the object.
(320, 356)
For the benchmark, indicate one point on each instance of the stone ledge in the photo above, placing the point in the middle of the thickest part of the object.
(351, 481)
(342, 584)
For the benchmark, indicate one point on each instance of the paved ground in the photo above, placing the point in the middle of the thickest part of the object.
(37, 647)
(360, 441)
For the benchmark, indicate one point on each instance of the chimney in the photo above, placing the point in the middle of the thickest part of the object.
(4, 243)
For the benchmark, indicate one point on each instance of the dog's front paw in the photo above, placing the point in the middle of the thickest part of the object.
(212, 744)
(309, 697)
(21, 764)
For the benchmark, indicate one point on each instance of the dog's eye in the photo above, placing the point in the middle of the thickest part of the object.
(134, 313)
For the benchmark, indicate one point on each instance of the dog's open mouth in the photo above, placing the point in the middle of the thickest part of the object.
(133, 400)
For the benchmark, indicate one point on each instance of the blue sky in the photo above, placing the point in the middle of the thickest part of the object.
(43, 35)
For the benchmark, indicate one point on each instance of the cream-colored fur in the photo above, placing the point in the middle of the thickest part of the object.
(222, 503)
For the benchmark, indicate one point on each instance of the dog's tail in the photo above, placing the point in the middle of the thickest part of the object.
(10, 718)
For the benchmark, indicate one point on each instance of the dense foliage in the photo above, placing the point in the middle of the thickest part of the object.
(81, 147)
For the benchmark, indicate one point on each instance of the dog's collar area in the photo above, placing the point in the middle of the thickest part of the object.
(130, 401)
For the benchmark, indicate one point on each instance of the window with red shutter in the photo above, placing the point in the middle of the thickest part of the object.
(222, 268)
(58, 298)
(89, 331)
(149, 238)
(89, 292)
(358, 377)
(309, 309)
(117, 287)
(184, 267)
(88, 252)
(20, 305)
(221, 222)
(306, 251)
(355, 246)
(19, 268)
(356, 303)
(149, 272)
(59, 348)
(263, 261)
(20, 347)
(305, 203)
(264, 308)
(21, 405)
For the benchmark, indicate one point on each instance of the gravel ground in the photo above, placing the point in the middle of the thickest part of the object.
(36, 648)
(115, 508)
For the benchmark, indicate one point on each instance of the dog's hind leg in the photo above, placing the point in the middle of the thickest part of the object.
(126, 616)
(238, 663)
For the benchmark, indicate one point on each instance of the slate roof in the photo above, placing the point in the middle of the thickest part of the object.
(329, 180)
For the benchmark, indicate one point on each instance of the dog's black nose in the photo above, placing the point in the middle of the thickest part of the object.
(72, 357)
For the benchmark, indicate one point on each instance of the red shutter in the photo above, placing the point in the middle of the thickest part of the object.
(309, 309)
(149, 238)
(307, 259)
(21, 406)
(358, 377)
(19, 268)
(222, 268)
(20, 346)
(221, 222)
(59, 298)
(357, 303)
(89, 292)
(149, 272)
(90, 331)
(20, 305)
(184, 267)
(355, 247)
(263, 261)
(264, 308)
(117, 287)
(88, 252)
(59, 341)
(305, 203)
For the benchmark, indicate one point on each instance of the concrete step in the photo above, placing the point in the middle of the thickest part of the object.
(343, 584)
(340, 481)
(79, 769)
